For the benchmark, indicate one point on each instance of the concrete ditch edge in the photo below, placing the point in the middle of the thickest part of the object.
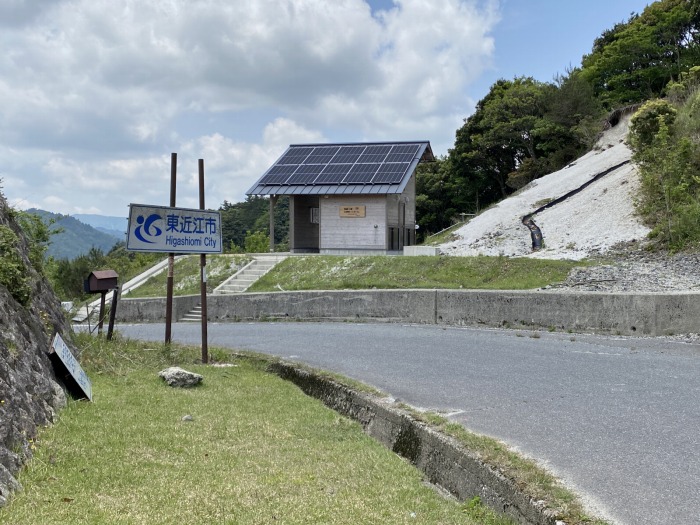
(444, 461)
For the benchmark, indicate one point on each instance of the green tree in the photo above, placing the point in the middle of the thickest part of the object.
(521, 130)
(251, 215)
(635, 60)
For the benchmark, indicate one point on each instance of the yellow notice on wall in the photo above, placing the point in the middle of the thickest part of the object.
(352, 211)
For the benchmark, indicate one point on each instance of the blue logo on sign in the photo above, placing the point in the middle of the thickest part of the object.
(147, 228)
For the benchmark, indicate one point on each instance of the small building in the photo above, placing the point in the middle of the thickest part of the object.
(355, 198)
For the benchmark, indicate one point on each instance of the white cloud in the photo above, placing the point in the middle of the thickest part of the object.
(96, 93)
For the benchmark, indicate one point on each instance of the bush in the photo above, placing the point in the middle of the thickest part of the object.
(12, 269)
(669, 163)
(647, 122)
(257, 242)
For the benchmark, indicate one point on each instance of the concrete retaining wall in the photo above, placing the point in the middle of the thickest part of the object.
(624, 314)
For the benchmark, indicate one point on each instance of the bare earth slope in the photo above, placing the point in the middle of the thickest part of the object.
(590, 222)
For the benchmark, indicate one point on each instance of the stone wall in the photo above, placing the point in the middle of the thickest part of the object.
(30, 396)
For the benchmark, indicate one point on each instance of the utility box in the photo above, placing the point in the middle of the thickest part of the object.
(101, 281)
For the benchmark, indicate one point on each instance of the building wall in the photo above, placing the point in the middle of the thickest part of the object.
(366, 233)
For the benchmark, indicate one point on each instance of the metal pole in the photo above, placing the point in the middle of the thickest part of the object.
(171, 257)
(203, 272)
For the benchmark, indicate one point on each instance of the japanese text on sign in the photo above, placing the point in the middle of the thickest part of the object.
(181, 230)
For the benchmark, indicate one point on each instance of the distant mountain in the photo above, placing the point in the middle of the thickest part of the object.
(77, 238)
(114, 226)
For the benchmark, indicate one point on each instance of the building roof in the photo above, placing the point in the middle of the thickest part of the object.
(368, 168)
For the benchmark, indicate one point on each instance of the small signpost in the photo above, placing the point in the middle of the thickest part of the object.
(69, 370)
(174, 230)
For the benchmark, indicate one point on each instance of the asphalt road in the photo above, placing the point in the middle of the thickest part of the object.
(617, 419)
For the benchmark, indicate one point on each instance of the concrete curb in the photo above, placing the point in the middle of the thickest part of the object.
(444, 461)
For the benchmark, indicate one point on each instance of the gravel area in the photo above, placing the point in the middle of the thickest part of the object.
(636, 270)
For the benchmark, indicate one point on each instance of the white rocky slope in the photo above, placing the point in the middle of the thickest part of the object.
(593, 221)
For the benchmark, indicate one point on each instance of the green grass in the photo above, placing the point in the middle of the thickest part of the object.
(186, 276)
(444, 236)
(338, 273)
(257, 451)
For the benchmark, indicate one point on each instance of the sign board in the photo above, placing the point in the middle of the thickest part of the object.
(173, 230)
(352, 211)
(69, 370)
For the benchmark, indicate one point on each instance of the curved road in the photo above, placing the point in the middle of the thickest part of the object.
(617, 419)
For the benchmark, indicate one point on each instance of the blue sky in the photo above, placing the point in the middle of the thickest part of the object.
(98, 93)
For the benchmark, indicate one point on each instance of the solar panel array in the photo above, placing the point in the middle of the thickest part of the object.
(334, 164)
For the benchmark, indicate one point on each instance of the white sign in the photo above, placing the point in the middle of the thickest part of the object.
(173, 230)
(75, 371)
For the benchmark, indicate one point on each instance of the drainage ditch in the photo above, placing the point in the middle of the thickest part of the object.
(535, 232)
(445, 462)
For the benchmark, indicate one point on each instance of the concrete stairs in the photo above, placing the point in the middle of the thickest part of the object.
(239, 282)
(246, 276)
(194, 316)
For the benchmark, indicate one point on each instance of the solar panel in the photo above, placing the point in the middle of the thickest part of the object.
(343, 164)
(305, 174)
(333, 174)
(390, 173)
(295, 155)
(321, 155)
(348, 154)
(374, 154)
(277, 174)
(402, 153)
(361, 173)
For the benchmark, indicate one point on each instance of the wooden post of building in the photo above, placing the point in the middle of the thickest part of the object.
(273, 202)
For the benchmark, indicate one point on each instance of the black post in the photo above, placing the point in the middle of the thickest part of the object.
(112, 314)
(102, 312)
(171, 257)
(203, 272)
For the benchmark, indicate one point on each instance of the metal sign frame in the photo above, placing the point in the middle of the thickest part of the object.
(173, 230)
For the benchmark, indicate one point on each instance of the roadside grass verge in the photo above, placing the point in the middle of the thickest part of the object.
(257, 451)
(537, 483)
(339, 273)
(186, 276)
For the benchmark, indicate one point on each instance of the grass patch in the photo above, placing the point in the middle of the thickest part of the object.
(186, 276)
(339, 273)
(444, 236)
(256, 451)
